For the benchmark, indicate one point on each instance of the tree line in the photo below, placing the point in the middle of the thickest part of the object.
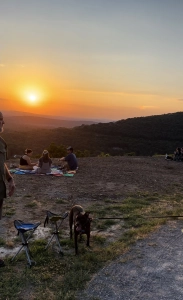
(136, 136)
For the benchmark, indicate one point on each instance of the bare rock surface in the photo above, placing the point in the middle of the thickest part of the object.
(151, 270)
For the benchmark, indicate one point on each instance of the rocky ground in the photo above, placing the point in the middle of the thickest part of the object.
(97, 179)
(151, 270)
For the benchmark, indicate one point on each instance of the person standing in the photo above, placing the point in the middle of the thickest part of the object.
(71, 160)
(4, 174)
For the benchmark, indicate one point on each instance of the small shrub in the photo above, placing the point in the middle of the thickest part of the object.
(2, 242)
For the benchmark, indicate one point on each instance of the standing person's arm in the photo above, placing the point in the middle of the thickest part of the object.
(10, 180)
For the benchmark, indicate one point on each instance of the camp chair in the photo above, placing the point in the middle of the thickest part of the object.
(23, 228)
(54, 221)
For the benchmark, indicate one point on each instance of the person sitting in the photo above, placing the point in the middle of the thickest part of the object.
(44, 165)
(168, 157)
(70, 160)
(181, 150)
(25, 161)
(177, 154)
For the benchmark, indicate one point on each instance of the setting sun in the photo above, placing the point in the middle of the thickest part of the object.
(31, 95)
(32, 98)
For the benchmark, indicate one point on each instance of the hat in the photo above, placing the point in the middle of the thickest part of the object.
(45, 152)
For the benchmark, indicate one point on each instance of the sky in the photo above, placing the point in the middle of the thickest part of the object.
(99, 59)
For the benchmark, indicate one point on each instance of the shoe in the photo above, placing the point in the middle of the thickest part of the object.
(2, 264)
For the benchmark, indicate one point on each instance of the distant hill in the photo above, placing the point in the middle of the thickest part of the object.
(24, 123)
(140, 136)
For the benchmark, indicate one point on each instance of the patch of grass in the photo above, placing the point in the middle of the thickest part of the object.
(129, 237)
(10, 212)
(178, 198)
(108, 201)
(61, 201)
(98, 239)
(105, 224)
(135, 222)
(109, 222)
(55, 277)
(32, 204)
(68, 243)
(2, 242)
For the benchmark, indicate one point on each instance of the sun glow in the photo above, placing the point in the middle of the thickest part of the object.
(32, 98)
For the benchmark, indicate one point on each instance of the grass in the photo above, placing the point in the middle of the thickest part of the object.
(10, 211)
(58, 277)
(32, 204)
(61, 201)
(2, 242)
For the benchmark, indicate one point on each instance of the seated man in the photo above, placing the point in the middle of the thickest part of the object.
(71, 160)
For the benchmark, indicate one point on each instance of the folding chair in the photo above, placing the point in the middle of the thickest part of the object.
(54, 221)
(22, 229)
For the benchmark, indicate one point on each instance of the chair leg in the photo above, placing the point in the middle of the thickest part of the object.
(50, 241)
(28, 255)
(58, 242)
(26, 248)
(17, 253)
(55, 234)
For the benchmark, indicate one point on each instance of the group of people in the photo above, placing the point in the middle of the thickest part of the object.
(43, 166)
(177, 155)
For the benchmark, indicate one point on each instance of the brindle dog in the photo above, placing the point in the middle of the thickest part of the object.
(81, 222)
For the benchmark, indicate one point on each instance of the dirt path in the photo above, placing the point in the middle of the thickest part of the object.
(152, 270)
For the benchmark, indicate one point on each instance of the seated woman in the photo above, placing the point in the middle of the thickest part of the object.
(44, 165)
(25, 161)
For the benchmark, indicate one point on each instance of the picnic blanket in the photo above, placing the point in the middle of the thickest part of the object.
(54, 172)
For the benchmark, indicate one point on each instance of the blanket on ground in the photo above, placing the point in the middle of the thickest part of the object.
(54, 172)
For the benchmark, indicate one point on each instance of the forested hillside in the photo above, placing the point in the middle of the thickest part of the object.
(139, 136)
(24, 123)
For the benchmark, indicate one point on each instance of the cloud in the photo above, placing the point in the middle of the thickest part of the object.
(125, 93)
(180, 99)
(148, 107)
(16, 65)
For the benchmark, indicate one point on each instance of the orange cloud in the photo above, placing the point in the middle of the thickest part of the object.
(148, 107)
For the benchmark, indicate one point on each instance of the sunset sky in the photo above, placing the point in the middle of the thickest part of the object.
(99, 59)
